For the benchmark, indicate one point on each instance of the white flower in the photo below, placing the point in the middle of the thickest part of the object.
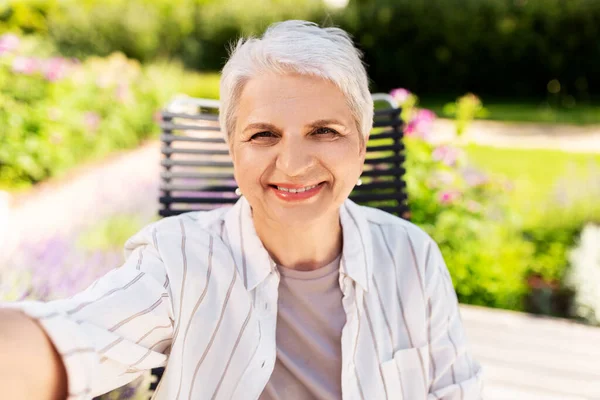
(583, 275)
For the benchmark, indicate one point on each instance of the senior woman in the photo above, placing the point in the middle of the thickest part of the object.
(295, 292)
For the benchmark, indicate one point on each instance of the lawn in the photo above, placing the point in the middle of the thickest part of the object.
(526, 110)
(543, 178)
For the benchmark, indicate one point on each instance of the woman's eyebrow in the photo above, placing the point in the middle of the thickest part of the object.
(324, 122)
(260, 125)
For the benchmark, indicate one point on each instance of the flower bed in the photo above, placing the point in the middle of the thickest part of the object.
(57, 112)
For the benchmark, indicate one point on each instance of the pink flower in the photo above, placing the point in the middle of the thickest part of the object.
(55, 69)
(9, 43)
(446, 154)
(410, 129)
(421, 124)
(400, 95)
(425, 115)
(448, 197)
(91, 120)
(474, 178)
(25, 65)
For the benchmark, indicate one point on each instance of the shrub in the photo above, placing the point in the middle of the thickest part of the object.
(466, 212)
(501, 47)
(57, 112)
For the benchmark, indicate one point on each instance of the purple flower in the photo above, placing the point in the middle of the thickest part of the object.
(9, 43)
(400, 95)
(25, 65)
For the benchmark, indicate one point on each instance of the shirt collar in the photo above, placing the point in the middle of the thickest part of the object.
(251, 258)
(254, 263)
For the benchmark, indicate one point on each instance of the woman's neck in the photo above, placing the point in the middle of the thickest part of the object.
(302, 247)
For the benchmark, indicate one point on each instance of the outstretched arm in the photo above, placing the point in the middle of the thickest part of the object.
(96, 341)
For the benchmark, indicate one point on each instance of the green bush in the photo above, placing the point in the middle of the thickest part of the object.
(467, 214)
(503, 47)
(57, 112)
(195, 31)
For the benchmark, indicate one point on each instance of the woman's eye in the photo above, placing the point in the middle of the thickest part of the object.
(324, 131)
(261, 135)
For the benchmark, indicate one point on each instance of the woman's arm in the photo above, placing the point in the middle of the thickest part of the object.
(30, 367)
(98, 340)
(454, 373)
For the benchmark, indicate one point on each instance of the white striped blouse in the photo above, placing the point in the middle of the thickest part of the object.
(198, 294)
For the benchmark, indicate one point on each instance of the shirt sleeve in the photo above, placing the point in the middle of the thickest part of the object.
(454, 374)
(120, 326)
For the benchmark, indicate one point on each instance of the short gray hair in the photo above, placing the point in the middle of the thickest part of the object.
(298, 47)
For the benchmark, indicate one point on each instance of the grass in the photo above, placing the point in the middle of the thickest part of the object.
(526, 110)
(544, 178)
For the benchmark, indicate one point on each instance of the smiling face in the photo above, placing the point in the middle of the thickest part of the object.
(296, 149)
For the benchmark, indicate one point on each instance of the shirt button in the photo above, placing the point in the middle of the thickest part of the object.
(263, 364)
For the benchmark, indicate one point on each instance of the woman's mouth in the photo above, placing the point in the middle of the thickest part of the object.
(296, 192)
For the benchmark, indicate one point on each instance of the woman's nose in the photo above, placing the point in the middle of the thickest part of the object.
(295, 157)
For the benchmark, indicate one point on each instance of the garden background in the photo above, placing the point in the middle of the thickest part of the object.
(82, 83)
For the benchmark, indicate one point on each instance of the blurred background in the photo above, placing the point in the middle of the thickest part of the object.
(501, 101)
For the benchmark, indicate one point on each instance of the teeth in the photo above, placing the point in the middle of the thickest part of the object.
(304, 189)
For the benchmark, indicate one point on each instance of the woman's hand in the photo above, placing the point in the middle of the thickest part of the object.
(30, 367)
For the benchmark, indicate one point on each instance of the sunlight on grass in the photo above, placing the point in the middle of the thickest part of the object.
(525, 110)
(544, 178)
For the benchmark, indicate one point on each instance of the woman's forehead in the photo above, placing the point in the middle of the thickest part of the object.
(293, 98)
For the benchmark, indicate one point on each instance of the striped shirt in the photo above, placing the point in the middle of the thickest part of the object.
(198, 294)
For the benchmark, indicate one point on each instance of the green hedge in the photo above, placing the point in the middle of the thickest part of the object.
(500, 47)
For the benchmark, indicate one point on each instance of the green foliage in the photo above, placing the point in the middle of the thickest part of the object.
(467, 214)
(465, 110)
(196, 32)
(484, 46)
(56, 112)
(556, 193)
